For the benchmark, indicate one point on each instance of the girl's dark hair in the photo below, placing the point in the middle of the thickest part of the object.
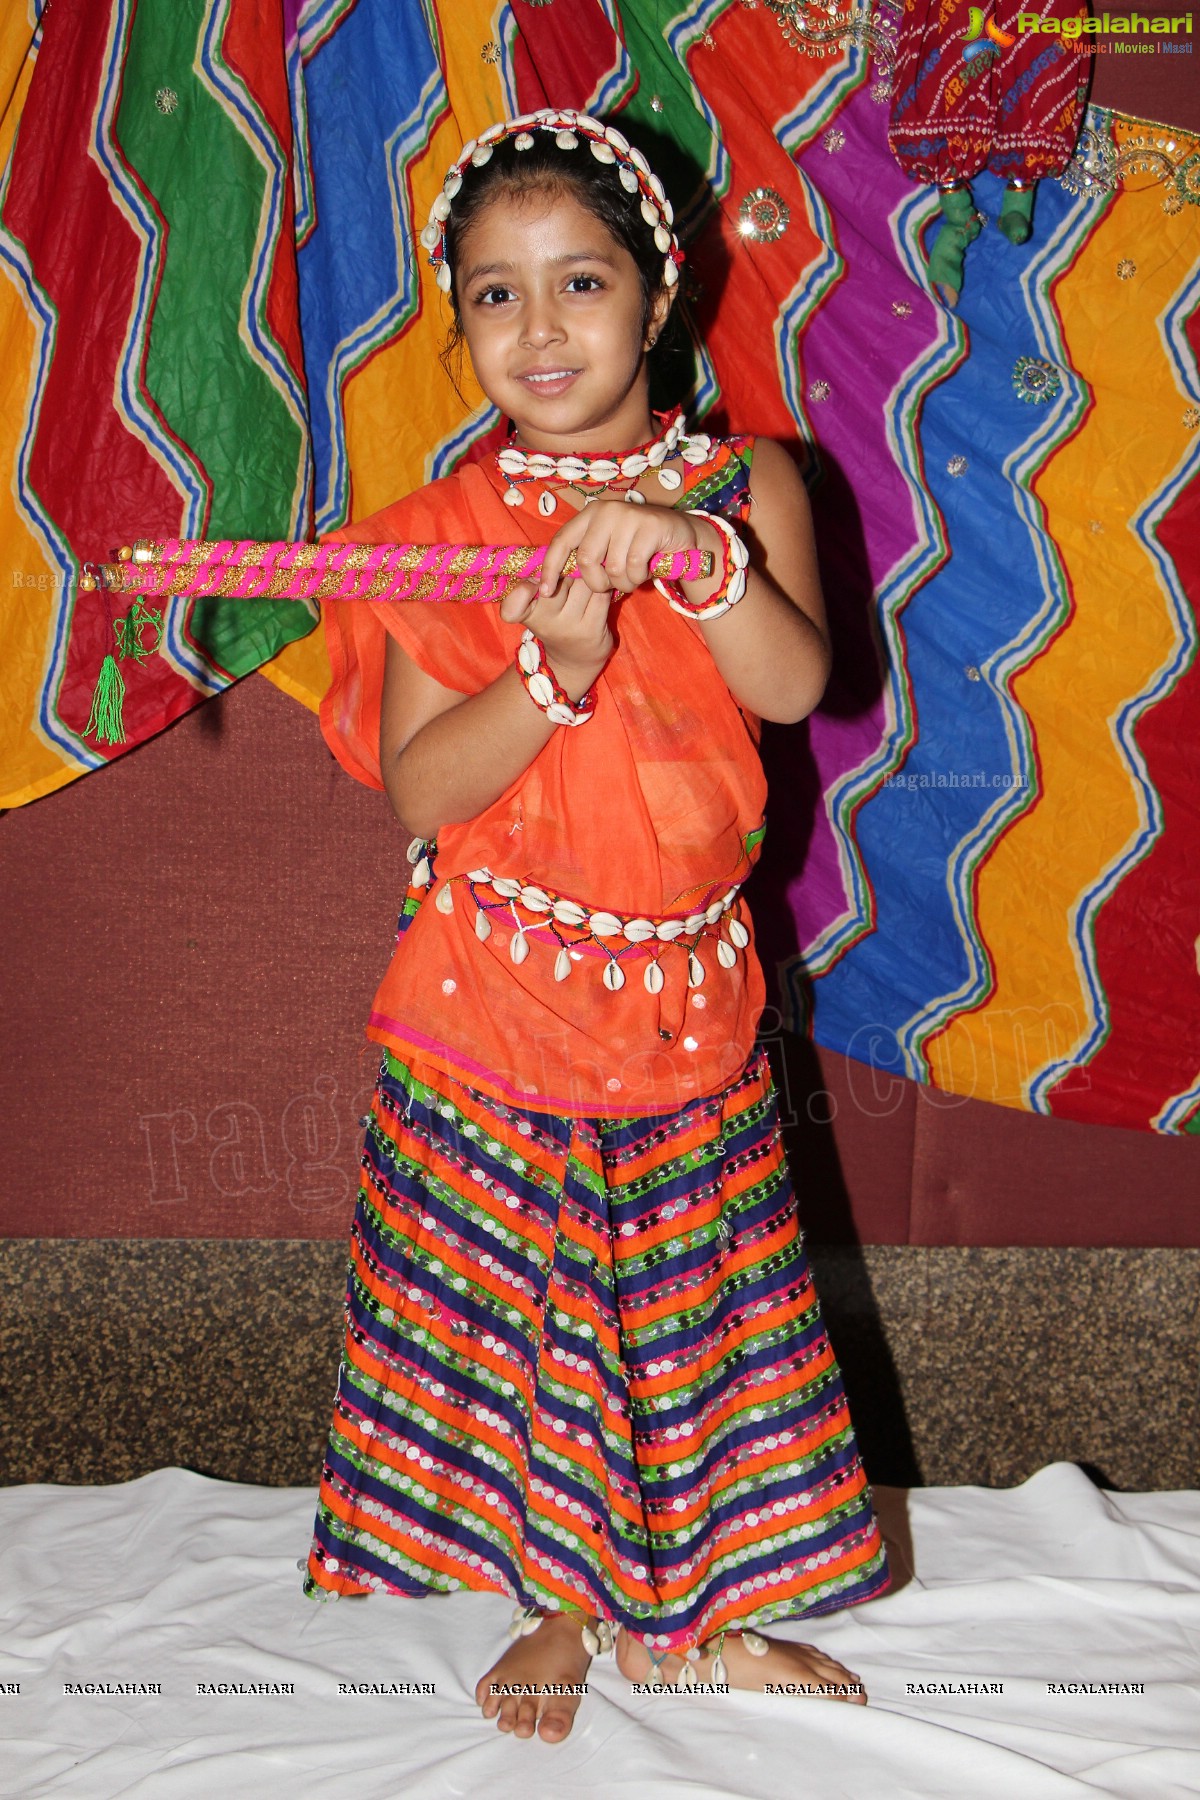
(597, 188)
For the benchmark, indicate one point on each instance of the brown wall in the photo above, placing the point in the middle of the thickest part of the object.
(193, 937)
(1159, 84)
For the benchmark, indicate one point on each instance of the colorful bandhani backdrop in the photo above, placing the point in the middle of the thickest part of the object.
(983, 866)
(150, 345)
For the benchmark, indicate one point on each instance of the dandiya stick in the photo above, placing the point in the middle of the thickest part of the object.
(243, 569)
(227, 569)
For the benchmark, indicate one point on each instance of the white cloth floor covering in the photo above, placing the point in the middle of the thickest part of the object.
(181, 1580)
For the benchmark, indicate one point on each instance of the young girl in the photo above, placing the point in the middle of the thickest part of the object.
(584, 1362)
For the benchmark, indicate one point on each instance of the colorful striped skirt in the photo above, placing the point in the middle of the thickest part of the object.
(585, 1366)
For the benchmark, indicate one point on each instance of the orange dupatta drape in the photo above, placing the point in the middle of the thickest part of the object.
(653, 808)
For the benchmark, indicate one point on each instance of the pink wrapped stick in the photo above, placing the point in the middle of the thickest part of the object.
(191, 568)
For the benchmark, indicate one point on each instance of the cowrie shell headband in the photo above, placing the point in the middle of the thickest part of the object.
(571, 130)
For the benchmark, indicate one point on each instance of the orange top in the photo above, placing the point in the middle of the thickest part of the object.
(650, 812)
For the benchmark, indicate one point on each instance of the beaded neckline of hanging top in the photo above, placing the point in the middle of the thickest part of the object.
(594, 475)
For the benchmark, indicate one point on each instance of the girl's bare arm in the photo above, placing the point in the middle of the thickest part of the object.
(773, 648)
(446, 757)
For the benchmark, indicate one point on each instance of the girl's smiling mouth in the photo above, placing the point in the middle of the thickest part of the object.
(549, 381)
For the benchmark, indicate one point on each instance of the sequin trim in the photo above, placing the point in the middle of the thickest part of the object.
(1113, 150)
(816, 29)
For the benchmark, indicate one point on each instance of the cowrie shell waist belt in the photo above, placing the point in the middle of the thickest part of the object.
(575, 930)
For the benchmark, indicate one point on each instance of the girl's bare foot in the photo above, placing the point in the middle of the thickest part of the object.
(552, 1657)
(784, 1668)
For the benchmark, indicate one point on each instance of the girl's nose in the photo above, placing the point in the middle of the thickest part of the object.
(540, 324)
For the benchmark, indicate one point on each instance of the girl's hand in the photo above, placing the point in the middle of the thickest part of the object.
(572, 622)
(614, 542)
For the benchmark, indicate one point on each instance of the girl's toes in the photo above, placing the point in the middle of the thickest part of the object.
(554, 1725)
(507, 1716)
(526, 1717)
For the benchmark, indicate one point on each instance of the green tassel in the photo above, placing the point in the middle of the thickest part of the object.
(129, 630)
(106, 721)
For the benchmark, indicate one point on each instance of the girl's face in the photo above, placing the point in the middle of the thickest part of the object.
(551, 308)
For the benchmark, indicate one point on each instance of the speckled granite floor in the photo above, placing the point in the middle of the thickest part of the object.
(963, 1365)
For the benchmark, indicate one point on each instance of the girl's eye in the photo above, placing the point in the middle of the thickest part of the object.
(493, 296)
(584, 284)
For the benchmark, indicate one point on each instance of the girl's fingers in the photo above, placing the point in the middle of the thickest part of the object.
(598, 535)
(574, 617)
(635, 568)
(616, 564)
(591, 565)
(514, 608)
(581, 604)
(629, 537)
(613, 545)
(592, 603)
(565, 539)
